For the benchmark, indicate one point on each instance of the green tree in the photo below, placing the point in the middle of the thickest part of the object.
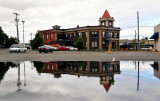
(37, 41)
(3, 37)
(80, 43)
(39, 66)
(10, 41)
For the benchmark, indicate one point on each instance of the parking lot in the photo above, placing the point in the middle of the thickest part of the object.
(31, 55)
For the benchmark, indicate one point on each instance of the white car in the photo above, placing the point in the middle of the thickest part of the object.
(17, 48)
(72, 48)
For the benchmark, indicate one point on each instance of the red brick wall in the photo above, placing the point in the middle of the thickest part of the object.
(49, 32)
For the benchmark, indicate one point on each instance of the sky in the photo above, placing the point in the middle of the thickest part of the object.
(43, 14)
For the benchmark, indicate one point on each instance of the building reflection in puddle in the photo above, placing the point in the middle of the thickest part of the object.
(156, 66)
(112, 77)
(104, 70)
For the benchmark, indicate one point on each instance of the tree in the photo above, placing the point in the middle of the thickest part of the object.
(37, 41)
(10, 41)
(3, 37)
(80, 43)
(39, 66)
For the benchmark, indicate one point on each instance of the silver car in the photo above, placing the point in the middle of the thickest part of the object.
(17, 48)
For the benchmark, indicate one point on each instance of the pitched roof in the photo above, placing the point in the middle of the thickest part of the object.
(106, 87)
(106, 14)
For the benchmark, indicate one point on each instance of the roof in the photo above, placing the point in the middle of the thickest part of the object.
(155, 36)
(106, 86)
(106, 14)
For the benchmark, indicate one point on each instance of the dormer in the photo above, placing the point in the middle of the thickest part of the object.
(106, 20)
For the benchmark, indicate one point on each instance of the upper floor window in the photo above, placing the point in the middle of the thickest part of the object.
(70, 35)
(104, 34)
(80, 34)
(46, 37)
(66, 35)
(51, 36)
(86, 34)
(94, 34)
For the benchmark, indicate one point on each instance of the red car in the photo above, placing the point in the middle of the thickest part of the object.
(63, 48)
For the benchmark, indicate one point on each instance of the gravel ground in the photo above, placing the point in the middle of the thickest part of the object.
(5, 56)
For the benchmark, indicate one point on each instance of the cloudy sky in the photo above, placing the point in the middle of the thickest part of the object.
(42, 14)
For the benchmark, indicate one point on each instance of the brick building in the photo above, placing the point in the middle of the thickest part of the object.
(95, 37)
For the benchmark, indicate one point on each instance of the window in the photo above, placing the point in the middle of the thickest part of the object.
(95, 44)
(104, 68)
(70, 35)
(74, 34)
(46, 37)
(43, 36)
(52, 67)
(66, 35)
(110, 23)
(92, 43)
(86, 44)
(116, 35)
(86, 34)
(104, 43)
(104, 34)
(51, 36)
(103, 23)
(110, 34)
(80, 34)
(94, 34)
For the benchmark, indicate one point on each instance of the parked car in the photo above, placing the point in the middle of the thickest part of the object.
(72, 48)
(45, 49)
(55, 48)
(17, 48)
(63, 48)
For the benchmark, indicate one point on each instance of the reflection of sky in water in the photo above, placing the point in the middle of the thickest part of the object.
(71, 88)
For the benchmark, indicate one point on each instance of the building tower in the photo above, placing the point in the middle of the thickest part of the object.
(106, 20)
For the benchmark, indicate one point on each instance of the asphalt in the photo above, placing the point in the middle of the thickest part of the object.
(30, 55)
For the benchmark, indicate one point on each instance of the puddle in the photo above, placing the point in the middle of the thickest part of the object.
(80, 81)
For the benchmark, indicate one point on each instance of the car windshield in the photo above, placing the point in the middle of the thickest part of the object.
(15, 46)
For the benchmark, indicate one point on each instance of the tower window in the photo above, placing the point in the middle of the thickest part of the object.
(103, 23)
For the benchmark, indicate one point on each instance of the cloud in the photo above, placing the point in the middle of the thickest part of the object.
(41, 15)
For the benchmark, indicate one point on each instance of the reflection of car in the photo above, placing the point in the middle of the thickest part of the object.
(17, 48)
(45, 49)
(63, 48)
(147, 48)
(72, 48)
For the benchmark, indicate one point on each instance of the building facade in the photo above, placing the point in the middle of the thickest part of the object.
(156, 38)
(95, 37)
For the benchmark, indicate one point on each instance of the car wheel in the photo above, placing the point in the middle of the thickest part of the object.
(10, 51)
(24, 51)
(39, 51)
(18, 51)
(51, 51)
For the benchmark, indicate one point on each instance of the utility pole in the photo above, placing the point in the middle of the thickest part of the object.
(135, 40)
(138, 28)
(17, 20)
(23, 34)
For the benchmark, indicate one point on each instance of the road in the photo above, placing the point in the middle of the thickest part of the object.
(5, 56)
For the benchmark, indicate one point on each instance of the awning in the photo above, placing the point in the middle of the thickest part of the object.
(155, 36)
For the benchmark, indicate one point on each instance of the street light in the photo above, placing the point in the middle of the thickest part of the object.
(23, 34)
(17, 20)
